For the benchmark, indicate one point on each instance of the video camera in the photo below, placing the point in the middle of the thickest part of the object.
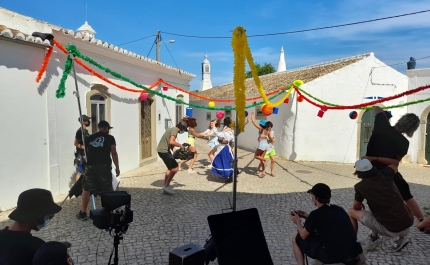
(112, 216)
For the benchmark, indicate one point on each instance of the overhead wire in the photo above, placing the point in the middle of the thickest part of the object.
(136, 40)
(288, 32)
(302, 30)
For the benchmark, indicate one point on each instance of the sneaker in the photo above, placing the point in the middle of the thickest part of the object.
(400, 243)
(82, 216)
(168, 190)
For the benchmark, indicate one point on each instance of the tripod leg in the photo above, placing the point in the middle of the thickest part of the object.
(64, 200)
(93, 200)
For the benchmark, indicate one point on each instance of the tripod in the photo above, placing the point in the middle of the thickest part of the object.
(116, 238)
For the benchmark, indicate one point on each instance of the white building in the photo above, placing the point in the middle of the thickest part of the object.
(282, 66)
(38, 129)
(206, 75)
(419, 147)
(300, 133)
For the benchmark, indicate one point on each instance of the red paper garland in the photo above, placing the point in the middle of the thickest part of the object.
(44, 64)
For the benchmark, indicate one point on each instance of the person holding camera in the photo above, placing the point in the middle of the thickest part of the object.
(98, 172)
(327, 234)
(165, 149)
(36, 207)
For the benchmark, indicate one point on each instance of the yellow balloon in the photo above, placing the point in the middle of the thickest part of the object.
(211, 104)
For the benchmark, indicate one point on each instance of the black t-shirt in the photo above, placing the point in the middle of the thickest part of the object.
(98, 148)
(18, 248)
(78, 136)
(331, 226)
(386, 141)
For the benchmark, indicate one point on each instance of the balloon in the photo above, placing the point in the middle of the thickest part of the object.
(353, 115)
(144, 96)
(165, 88)
(267, 110)
(298, 83)
(219, 114)
(300, 98)
(211, 104)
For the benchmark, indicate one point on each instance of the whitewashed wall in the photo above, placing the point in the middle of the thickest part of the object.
(38, 129)
(418, 78)
(301, 135)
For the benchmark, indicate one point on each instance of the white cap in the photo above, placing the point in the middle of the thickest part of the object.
(363, 165)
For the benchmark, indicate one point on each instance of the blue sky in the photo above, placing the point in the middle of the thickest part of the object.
(392, 41)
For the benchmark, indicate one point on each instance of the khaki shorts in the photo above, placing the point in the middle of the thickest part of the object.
(370, 222)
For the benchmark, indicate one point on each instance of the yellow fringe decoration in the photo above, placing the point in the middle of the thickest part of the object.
(238, 43)
(242, 52)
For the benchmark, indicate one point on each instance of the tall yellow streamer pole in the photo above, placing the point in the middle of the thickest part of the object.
(238, 43)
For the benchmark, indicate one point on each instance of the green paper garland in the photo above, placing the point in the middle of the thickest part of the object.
(61, 91)
(73, 50)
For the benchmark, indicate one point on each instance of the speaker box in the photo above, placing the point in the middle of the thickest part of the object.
(239, 238)
(190, 254)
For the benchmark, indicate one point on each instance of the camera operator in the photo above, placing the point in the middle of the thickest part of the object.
(98, 176)
(327, 235)
(35, 209)
(79, 143)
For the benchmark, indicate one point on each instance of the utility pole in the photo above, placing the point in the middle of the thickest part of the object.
(158, 42)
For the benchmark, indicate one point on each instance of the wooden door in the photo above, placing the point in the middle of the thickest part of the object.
(428, 139)
(367, 122)
(145, 131)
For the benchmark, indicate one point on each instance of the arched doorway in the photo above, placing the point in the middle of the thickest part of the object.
(146, 128)
(367, 122)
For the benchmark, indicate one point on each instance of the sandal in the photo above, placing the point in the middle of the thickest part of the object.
(261, 175)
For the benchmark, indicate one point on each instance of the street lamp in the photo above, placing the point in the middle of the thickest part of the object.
(158, 42)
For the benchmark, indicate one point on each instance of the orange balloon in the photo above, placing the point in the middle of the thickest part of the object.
(267, 110)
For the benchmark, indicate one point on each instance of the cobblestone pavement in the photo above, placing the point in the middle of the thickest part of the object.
(163, 222)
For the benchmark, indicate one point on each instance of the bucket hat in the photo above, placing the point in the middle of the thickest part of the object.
(34, 204)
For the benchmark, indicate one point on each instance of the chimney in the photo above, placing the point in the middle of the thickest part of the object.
(411, 64)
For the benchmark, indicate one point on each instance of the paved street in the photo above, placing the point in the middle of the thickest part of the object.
(164, 222)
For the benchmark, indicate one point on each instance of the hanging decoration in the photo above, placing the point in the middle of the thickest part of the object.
(143, 96)
(44, 64)
(165, 88)
(302, 95)
(275, 110)
(189, 112)
(300, 98)
(219, 114)
(267, 110)
(353, 115)
(211, 104)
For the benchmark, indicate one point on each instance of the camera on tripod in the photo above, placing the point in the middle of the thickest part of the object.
(115, 214)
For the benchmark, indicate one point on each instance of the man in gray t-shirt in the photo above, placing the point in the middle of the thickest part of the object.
(167, 142)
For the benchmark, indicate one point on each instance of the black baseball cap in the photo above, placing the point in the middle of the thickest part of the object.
(321, 191)
(104, 124)
(52, 253)
(84, 118)
(183, 126)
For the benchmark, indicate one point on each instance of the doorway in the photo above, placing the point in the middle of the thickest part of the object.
(145, 131)
(367, 122)
(427, 151)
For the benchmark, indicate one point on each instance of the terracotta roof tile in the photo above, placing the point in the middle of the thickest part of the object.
(277, 80)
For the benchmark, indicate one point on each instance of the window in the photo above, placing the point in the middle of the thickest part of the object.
(259, 113)
(228, 112)
(98, 110)
(179, 109)
(206, 68)
(208, 116)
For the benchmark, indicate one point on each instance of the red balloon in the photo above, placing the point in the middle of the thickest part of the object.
(300, 98)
